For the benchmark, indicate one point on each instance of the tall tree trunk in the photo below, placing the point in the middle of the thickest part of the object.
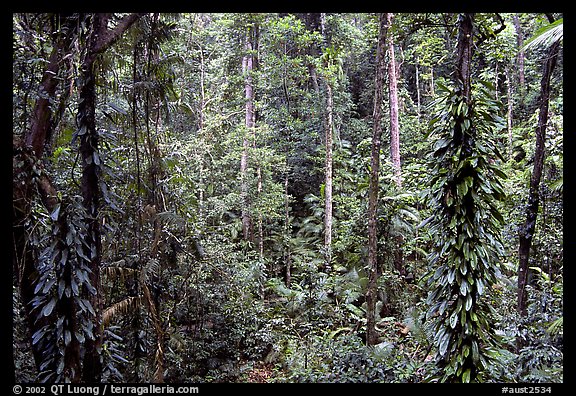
(91, 201)
(527, 230)
(247, 68)
(393, 103)
(328, 178)
(371, 292)
(520, 56)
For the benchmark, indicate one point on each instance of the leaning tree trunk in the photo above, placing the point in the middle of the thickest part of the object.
(371, 292)
(529, 226)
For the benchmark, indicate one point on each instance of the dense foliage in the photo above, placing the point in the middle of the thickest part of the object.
(170, 201)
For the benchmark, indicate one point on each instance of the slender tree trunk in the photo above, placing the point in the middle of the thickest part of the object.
(496, 81)
(201, 116)
(418, 89)
(202, 90)
(287, 233)
(393, 73)
(328, 141)
(510, 99)
(328, 179)
(520, 57)
(529, 226)
(393, 103)
(432, 92)
(371, 292)
(247, 68)
(260, 220)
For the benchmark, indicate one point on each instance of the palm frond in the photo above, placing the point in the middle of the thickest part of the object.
(556, 326)
(129, 304)
(121, 273)
(547, 35)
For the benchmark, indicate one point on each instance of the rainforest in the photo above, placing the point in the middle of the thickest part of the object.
(287, 197)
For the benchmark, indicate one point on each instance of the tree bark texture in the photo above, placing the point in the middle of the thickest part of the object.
(464, 54)
(371, 292)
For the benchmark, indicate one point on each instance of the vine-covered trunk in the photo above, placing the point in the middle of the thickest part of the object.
(465, 190)
(86, 119)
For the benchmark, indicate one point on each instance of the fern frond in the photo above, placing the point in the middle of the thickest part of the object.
(171, 218)
(151, 267)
